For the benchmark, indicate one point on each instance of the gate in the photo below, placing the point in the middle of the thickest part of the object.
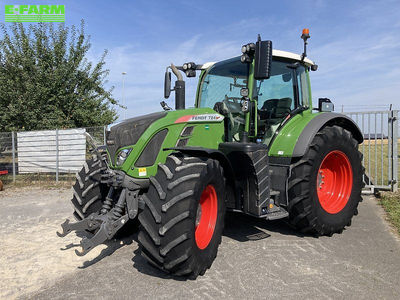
(380, 148)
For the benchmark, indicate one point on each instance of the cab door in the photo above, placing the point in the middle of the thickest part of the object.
(276, 98)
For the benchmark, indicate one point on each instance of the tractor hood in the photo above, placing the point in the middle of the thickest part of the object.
(145, 140)
(129, 131)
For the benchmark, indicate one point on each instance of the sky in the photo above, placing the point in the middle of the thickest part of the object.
(355, 43)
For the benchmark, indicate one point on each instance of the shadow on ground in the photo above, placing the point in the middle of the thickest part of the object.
(240, 227)
(121, 239)
(243, 228)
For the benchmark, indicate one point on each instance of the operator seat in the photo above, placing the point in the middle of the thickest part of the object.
(275, 109)
(271, 114)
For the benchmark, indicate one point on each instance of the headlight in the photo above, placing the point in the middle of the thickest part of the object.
(122, 155)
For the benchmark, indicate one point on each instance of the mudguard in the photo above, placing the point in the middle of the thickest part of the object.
(215, 154)
(320, 121)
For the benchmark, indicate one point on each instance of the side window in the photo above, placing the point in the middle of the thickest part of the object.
(303, 86)
(278, 90)
(276, 98)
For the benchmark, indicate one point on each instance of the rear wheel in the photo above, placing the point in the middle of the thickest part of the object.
(325, 185)
(182, 222)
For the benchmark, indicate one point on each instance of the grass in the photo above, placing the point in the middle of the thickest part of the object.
(391, 204)
(375, 162)
(46, 181)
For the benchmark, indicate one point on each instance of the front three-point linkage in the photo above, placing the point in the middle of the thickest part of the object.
(109, 219)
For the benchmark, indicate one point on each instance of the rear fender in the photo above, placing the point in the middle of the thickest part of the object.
(318, 123)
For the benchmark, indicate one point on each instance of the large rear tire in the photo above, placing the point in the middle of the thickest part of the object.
(182, 222)
(325, 185)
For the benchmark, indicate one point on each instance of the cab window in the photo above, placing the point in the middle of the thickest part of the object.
(276, 98)
(302, 82)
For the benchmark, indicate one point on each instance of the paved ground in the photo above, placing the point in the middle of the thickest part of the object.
(256, 259)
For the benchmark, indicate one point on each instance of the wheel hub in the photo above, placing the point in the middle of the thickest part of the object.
(334, 181)
(206, 216)
(198, 215)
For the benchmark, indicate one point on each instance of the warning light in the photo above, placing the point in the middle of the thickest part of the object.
(305, 36)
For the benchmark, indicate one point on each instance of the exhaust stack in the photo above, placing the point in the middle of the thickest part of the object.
(179, 88)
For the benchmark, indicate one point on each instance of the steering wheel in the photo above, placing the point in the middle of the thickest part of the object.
(232, 104)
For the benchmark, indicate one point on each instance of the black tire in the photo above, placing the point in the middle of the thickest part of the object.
(306, 211)
(167, 233)
(88, 192)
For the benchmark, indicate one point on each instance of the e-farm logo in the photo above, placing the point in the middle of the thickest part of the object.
(35, 13)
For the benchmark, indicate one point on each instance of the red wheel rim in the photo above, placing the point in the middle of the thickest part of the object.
(334, 181)
(206, 217)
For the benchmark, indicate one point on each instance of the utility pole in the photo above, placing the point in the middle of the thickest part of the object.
(123, 93)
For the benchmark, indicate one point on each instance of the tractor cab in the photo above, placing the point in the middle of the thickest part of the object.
(256, 92)
(273, 100)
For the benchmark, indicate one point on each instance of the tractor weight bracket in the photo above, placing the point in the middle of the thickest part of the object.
(127, 207)
(132, 203)
(92, 222)
(107, 230)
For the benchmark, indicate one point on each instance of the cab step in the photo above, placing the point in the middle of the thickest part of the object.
(276, 213)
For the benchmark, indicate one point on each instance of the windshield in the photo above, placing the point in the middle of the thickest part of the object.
(223, 82)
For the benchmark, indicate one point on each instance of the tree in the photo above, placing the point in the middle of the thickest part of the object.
(46, 82)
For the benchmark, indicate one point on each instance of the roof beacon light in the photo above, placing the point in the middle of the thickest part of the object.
(305, 36)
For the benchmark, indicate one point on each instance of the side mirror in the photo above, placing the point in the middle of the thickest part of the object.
(167, 84)
(262, 59)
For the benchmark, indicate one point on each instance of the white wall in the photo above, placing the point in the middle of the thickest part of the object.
(37, 150)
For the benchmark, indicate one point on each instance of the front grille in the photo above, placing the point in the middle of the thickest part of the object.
(128, 132)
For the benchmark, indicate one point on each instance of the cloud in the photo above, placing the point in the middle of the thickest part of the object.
(357, 50)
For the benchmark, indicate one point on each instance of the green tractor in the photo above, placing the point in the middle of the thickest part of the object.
(253, 144)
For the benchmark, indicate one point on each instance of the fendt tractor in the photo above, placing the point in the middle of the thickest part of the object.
(252, 144)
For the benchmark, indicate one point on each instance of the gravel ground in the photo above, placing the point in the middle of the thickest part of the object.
(256, 259)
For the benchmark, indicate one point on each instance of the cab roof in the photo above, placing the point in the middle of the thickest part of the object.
(276, 53)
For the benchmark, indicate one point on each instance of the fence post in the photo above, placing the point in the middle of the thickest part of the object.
(394, 151)
(13, 154)
(57, 155)
(390, 146)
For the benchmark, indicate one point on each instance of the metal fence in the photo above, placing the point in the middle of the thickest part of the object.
(380, 148)
(51, 152)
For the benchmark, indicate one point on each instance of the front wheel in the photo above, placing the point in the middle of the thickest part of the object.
(325, 185)
(182, 222)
